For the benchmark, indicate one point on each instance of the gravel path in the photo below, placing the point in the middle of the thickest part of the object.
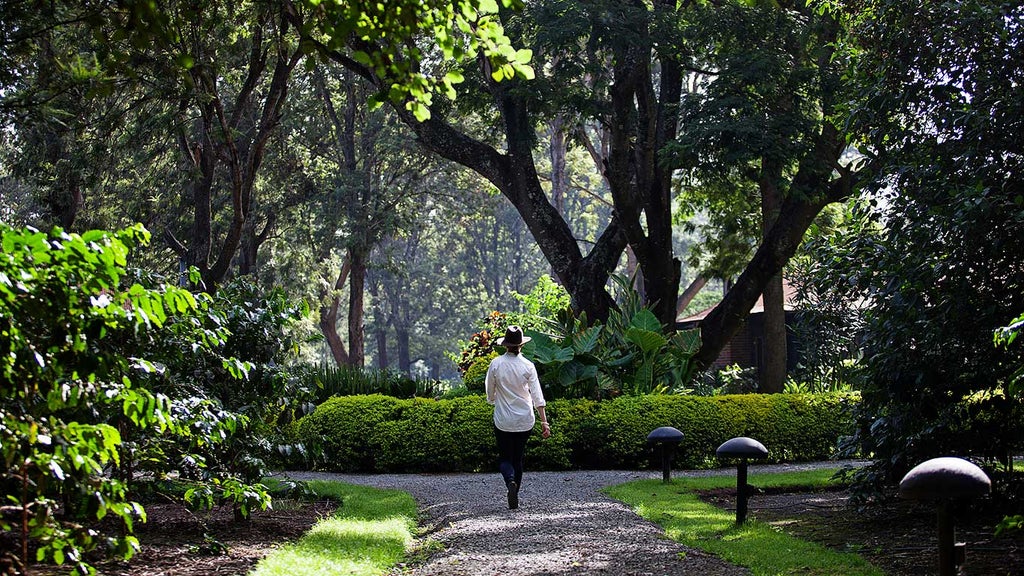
(563, 525)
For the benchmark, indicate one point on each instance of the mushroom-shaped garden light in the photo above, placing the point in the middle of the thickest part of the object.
(666, 439)
(944, 480)
(743, 448)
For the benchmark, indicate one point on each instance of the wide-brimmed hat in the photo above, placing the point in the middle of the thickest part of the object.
(513, 337)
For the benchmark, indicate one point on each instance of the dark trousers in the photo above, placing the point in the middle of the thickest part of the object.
(511, 449)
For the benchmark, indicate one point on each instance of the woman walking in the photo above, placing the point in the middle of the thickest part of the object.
(514, 390)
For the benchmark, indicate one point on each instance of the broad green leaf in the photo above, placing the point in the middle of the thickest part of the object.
(647, 340)
(646, 320)
(688, 341)
(586, 341)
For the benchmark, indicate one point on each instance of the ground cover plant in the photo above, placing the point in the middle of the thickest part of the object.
(895, 535)
(366, 536)
(762, 548)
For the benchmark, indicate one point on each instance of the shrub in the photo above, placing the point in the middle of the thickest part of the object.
(477, 373)
(382, 434)
(94, 390)
(326, 380)
(345, 427)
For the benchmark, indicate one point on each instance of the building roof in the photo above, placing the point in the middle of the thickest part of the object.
(789, 304)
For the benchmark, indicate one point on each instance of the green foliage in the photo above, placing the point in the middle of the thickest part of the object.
(229, 426)
(761, 548)
(474, 378)
(702, 301)
(75, 366)
(367, 536)
(382, 434)
(460, 30)
(630, 354)
(326, 380)
(112, 374)
(828, 323)
(544, 303)
(546, 300)
(481, 343)
(1005, 336)
(936, 268)
(732, 379)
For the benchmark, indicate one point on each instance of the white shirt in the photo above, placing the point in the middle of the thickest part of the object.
(514, 390)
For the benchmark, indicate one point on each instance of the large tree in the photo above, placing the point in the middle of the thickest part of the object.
(749, 130)
(938, 262)
(624, 65)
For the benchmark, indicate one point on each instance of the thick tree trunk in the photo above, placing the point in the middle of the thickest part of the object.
(643, 122)
(773, 368)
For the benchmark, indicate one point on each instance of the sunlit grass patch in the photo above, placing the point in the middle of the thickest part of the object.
(764, 549)
(369, 534)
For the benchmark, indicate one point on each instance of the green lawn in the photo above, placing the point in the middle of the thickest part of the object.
(764, 549)
(368, 535)
(373, 530)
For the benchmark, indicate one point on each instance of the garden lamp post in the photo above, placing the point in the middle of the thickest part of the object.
(666, 439)
(743, 448)
(945, 480)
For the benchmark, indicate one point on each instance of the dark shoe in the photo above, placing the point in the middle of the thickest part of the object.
(513, 495)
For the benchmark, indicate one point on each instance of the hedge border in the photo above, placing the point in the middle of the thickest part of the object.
(377, 433)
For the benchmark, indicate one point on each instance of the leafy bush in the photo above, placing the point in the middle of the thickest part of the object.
(85, 395)
(475, 376)
(327, 380)
(630, 354)
(382, 434)
(481, 343)
(544, 302)
(732, 379)
(345, 426)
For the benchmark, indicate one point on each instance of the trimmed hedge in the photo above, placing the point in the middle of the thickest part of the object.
(384, 434)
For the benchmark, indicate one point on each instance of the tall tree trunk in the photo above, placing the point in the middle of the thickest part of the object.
(380, 322)
(644, 121)
(381, 336)
(773, 368)
(356, 287)
(402, 345)
(330, 303)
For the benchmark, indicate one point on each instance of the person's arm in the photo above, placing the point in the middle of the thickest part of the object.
(538, 400)
(545, 426)
(489, 388)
